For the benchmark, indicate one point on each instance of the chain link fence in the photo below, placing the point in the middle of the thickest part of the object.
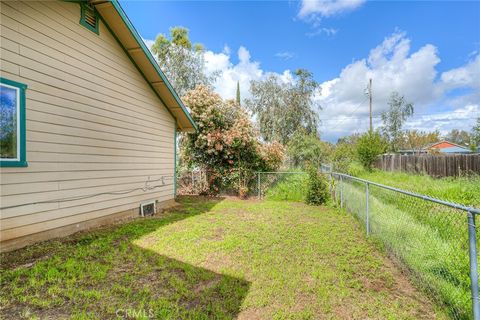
(434, 241)
(281, 185)
(289, 186)
(206, 182)
(191, 182)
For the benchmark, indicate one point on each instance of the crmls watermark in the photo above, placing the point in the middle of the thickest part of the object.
(134, 313)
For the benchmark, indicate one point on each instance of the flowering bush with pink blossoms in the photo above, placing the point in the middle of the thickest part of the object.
(226, 144)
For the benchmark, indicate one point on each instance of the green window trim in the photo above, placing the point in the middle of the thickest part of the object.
(21, 160)
(89, 17)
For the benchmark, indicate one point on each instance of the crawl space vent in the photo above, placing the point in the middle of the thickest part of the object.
(147, 209)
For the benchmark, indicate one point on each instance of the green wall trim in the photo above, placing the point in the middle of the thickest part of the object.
(83, 7)
(22, 162)
(175, 163)
(147, 52)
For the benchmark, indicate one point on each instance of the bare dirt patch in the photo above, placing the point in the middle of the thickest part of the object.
(254, 314)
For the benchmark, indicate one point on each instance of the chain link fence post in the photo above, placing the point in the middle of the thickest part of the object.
(258, 186)
(341, 191)
(366, 209)
(472, 237)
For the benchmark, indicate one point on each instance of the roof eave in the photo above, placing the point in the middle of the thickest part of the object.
(121, 27)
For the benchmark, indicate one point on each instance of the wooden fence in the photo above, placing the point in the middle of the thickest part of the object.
(452, 165)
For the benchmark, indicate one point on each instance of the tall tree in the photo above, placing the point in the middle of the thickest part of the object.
(415, 139)
(238, 93)
(394, 118)
(460, 137)
(307, 149)
(182, 62)
(283, 108)
(475, 143)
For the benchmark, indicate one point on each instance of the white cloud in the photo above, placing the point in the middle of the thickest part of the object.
(328, 31)
(243, 72)
(392, 66)
(326, 8)
(344, 124)
(466, 76)
(462, 118)
(285, 55)
(392, 69)
(149, 43)
(314, 11)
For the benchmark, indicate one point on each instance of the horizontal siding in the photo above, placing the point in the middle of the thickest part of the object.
(66, 217)
(27, 177)
(94, 125)
(34, 187)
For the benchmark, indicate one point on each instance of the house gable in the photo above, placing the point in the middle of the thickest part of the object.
(441, 145)
(123, 30)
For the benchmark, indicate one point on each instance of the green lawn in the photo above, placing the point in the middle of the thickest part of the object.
(213, 259)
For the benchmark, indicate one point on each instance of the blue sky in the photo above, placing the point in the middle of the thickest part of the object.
(426, 50)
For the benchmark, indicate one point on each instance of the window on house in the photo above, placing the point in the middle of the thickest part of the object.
(89, 17)
(12, 123)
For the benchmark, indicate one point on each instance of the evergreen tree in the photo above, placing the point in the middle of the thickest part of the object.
(238, 93)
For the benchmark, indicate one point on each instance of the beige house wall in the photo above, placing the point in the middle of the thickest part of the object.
(93, 125)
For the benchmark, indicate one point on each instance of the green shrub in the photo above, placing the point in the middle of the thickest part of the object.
(317, 192)
(355, 169)
(345, 152)
(370, 145)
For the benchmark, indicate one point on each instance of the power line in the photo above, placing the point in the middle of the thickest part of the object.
(355, 110)
(370, 97)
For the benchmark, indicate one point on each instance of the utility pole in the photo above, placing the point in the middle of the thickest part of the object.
(370, 97)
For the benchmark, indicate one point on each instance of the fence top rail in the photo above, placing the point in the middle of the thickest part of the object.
(294, 172)
(416, 195)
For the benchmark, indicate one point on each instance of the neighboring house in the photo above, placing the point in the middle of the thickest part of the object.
(441, 147)
(411, 151)
(446, 147)
(88, 120)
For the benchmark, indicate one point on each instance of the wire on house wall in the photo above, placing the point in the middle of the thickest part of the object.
(147, 187)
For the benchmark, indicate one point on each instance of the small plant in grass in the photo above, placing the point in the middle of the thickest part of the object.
(317, 192)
